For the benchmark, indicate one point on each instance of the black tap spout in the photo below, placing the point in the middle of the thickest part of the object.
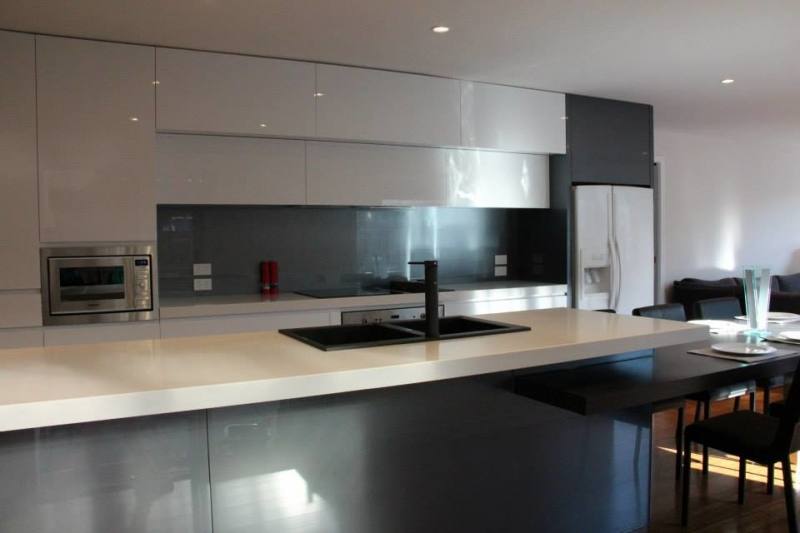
(431, 297)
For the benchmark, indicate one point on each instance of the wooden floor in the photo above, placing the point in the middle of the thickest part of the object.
(713, 500)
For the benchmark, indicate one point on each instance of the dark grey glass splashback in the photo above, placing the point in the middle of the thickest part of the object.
(334, 247)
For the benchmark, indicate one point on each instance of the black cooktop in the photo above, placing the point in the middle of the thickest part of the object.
(343, 292)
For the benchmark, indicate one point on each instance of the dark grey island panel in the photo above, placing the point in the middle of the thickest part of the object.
(465, 455)
(146, 474)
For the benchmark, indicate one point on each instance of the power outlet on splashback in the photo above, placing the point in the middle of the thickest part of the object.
(202, 284)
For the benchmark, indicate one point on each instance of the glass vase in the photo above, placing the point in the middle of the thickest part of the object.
(756, 299)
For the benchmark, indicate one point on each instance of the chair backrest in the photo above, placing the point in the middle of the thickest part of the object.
(718, 308)
(665, 311)
(789, 417)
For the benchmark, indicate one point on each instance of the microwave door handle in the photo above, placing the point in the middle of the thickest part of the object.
(130, 282)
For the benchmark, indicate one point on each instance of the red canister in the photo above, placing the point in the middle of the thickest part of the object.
(273, 274)
(266, 280)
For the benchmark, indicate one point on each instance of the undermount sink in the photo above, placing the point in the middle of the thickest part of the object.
(357, 336)
(462, 326)
(361, 336)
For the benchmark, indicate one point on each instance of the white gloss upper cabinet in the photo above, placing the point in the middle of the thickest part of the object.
(389, 107)
(19, 221)
(497, 179)
(508, 118)
(206, 169)
(206, 92)
(96, 140)
(368, 174)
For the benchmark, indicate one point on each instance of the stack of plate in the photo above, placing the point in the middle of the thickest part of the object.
(776, 318)
(786, 337)
(747, 349)
(721, 326)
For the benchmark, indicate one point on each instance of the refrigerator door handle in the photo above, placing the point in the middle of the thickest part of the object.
(612, 252)
(612, 274)
(618, 272)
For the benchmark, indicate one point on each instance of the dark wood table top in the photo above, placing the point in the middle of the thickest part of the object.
(665, 374)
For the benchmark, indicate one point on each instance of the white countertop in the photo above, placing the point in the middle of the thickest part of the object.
(56, 385)
(220, 305)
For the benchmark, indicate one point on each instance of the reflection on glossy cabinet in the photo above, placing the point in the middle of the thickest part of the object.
(509, 118)
(368, 174)
(205, 169)
(96, 140)
(390, 107)
(497, 179)
(19, 222)
(207, 92)
(135, 475)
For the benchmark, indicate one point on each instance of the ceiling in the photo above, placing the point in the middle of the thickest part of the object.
(670, 53)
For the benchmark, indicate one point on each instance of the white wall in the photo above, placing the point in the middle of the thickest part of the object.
(727, 203)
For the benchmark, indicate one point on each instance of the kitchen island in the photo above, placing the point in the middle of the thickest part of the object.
(258, 432)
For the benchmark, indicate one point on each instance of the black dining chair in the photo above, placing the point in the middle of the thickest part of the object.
(726, 309)
(753, 437)
(669, 312)
(720, 309)
(663, 311)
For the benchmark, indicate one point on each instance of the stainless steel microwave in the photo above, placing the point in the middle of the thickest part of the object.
(97, 284)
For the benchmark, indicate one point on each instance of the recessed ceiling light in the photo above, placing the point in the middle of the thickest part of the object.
(317, 95)
(440, 29)
(263, 125)
(134, 119)
(156, 82)
(727, 81)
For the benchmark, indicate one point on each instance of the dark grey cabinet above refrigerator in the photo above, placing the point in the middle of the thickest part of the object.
(609, 141)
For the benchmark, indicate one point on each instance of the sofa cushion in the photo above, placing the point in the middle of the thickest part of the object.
(790, 283)
(724, 282)
(689, 290)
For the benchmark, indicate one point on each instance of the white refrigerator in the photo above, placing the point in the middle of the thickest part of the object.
(613, 247)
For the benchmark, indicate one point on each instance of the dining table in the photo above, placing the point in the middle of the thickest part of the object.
(650, 377)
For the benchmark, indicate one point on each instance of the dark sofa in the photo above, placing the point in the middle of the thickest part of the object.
(785, 294)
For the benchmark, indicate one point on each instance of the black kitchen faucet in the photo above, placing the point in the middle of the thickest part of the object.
(431, 297)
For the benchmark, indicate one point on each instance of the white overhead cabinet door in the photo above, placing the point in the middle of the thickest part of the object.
(368, 174)
(513, 119)
(205, 92)
(207, 169)
(96, 140)
(388, 107)
(19, 221)
(478, 178)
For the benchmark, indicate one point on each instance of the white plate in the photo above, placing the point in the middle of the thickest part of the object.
(743, 348)
(791, 335)
(776, 317)
(720, 325)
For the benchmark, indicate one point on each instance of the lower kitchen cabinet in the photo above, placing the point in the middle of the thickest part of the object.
(488, 307)
(91, 333)
(20, 309)
(21, 337)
